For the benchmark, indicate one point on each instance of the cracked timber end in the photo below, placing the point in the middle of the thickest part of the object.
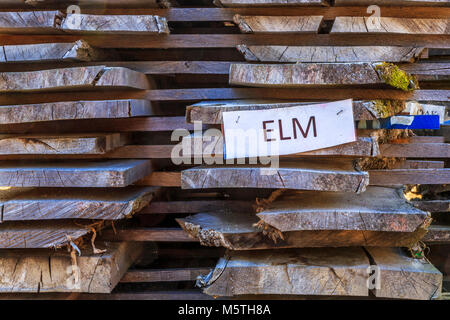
(52, 271)
(396, 77)
(335, 271)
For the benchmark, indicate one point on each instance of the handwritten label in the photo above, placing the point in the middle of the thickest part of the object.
(283, 131)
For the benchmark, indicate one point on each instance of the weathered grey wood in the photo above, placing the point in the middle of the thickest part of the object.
(390, 25)
(30, 22)
(88, 4)
(438, 234)
(313, 175)
(44, 271)
(100, 143)
(210, 112)
(432, 205)
(40, 234)
(315, 74)
(403, 277)
(73, 78)
(275, 24)
(74, 110)
(392, 2)
(268, 3)
(18, 204)
(330, 54)
(113, 173)
(78, 51)
(117, 24)
(325, 271)
(237, 231)
(376, 209)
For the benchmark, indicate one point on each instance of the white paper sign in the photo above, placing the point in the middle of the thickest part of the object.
(415, 108)
(282, 131)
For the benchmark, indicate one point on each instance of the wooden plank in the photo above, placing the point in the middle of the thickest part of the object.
(61, 144)
(438, 234)
(237, 231)
(193, 206)
(63, 4)
(210, 112)
(376, 209)
(432, 205)
(276, 24)
(268, 3)
(78, 51)
(163, 275)
(51, 271)
(411, 150)
(392, 3)
(117, 24)
(74, 110)
(390, 25)
(327, 271)
(147, 234)
(312, 74)
(29, 22)
(432, 41)
(318, 175)
(73, 203)
(114, 173)
(403, 277)
(73, 78)
(330, 54)
(409, 176)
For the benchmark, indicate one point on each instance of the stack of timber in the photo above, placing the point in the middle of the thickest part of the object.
(91, 164)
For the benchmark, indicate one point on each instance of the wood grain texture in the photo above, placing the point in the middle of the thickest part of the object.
(304, 74)
(317, 175)
(163, 275)
(29, 22)
(19, 204)
(403, 277)
(376, 209)
(438, 234)
(409, 176)
(268, 3)
(26, 271)
(391, 25)
(330, 53)
(333, 271)
(114, 173)
(236, 231)
(61, 144)
(117, 24)
(88, 4)
(73, 78)
(276, 24)
(432, 205)
(78, 51)
(392, 3)
(74, 110)
(210, 112)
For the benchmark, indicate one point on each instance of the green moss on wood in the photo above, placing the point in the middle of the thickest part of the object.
(388, 108)
(396, 77)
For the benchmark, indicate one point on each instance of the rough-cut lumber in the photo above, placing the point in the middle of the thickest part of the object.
(210, 112)
(314, 74)
(403, 277)
(74, 110)
(43, 271)
(29, 22)
(78, 51)
(114, 173)
(330, 54)
(438, 234)
(275, 24)
(376, 209)
(88, 4)
(390, 25)
(432, 205)
(392, 3)
(117, 24)
(411, 150)
(328, 271)
(40, 234)
(146, 234)
(193, 206)
(73, 78)
(20, 204)
(268, 3)
(61, 144)
(163, 275)
(315, 175)
(237, 231)
(409, 176)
